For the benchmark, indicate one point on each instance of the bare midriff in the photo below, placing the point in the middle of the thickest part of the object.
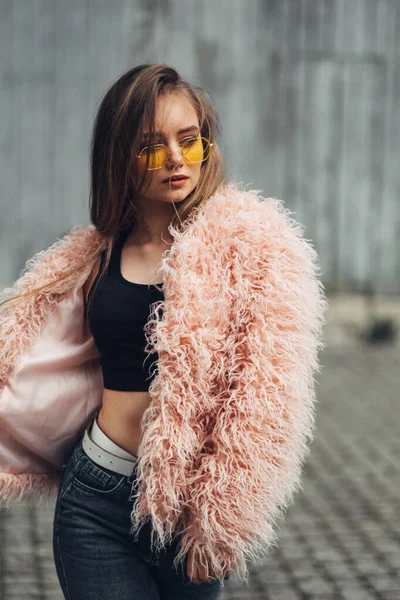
(120, 415)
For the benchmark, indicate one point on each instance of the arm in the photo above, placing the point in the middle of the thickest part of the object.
(250, 464)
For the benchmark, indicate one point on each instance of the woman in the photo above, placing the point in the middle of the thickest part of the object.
(186, 460)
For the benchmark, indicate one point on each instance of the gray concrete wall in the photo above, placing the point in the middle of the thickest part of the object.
(308, 93)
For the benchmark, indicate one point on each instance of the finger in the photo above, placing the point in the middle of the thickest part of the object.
(199, 575)
(191, 569)
(202, 574)
(195, 576)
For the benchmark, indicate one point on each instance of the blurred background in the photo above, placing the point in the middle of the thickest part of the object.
(308, 94)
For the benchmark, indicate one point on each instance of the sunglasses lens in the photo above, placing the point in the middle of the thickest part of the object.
(158, 156)
(196, 150)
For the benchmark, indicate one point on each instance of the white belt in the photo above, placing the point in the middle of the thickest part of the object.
(105, 452)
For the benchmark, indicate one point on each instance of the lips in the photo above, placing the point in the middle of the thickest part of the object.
(175, 178)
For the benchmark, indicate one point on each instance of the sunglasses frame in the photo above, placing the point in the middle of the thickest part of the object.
(210, 145)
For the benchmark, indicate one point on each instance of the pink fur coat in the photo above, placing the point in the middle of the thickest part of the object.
(232, 411)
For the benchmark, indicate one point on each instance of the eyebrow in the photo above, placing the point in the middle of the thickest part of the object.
(159, 133)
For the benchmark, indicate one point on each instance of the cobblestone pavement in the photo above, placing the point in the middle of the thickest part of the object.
(341, 536)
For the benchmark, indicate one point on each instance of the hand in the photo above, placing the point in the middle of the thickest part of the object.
(197, 573)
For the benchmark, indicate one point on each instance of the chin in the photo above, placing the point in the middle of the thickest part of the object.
(177, 195)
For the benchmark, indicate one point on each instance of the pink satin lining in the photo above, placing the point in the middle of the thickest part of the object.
(52, 394)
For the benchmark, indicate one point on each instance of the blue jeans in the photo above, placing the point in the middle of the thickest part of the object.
(95, 555)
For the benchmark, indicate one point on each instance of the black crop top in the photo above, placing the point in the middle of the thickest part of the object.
(117, 319)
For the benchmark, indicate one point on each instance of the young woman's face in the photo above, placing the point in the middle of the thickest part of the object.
(173, 113)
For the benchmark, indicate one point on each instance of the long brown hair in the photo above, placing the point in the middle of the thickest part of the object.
(127, 106)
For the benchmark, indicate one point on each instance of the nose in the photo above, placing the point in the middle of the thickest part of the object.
(175, 156)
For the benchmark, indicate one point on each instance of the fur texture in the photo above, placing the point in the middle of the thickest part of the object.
(232, 412)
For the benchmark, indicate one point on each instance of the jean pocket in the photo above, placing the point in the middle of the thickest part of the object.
(91, 477)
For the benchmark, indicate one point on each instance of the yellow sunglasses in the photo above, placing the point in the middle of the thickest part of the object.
(194, 150)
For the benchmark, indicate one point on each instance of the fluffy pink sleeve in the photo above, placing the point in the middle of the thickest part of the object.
(250, 464)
